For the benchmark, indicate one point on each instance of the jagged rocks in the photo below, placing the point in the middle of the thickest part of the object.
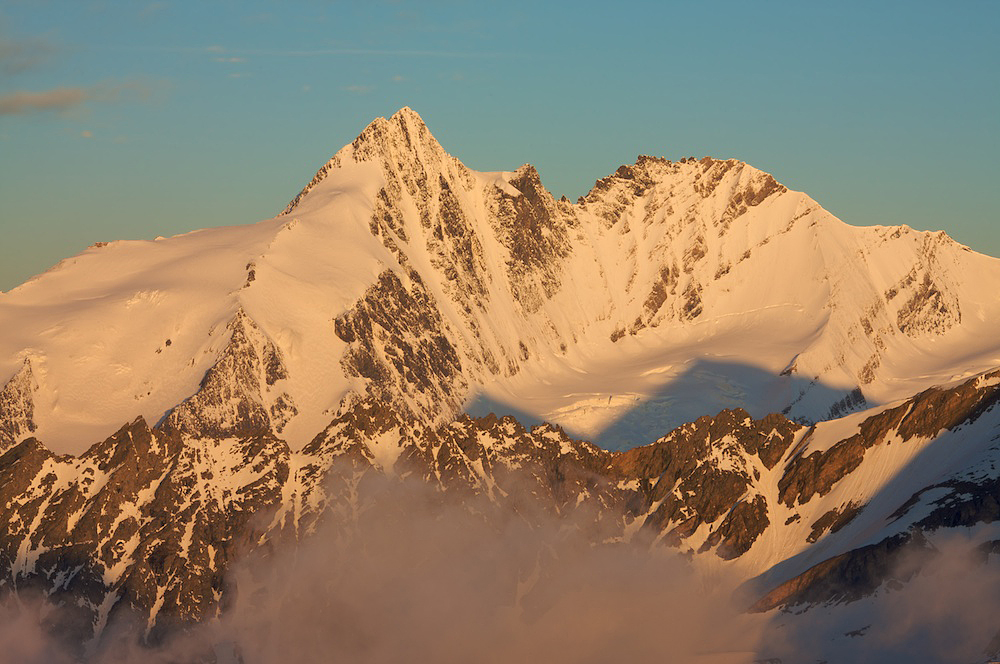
(17, 407)
(400, 344)
(236, 396)
(703, 472)
(142, 525)
(534, 232)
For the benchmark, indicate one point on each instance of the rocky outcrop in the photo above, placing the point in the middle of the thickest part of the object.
(852, 575)
(146, 524)
(399, 342)
(534, 232)
(239, 395)
(705, 473)
(143, 525)
(17, 408)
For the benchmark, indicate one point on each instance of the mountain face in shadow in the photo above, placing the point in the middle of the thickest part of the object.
(705, 385)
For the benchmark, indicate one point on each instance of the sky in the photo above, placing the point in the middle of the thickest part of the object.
(131, 120)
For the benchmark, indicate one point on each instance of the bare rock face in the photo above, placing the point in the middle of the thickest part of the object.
(927, 414)
(17, 407)
(705, 473)
(146, 525)
(399, 342)
(852, 575)
(238, 394)
(532, 229)
(142, 525)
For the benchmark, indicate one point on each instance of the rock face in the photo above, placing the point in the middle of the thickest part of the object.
(338, 344)
(17, 407)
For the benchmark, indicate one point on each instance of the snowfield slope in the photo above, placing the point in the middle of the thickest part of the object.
(671, 290)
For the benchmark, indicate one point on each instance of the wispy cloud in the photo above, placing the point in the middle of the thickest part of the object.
(313, 53)
(65, 98)
(230, 59)
(56, 99)
(219, 50)
(358, 89)
(18, 55)
(152, 8)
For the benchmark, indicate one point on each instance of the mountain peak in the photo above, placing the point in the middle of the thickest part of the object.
(403, 138)
(407, 114)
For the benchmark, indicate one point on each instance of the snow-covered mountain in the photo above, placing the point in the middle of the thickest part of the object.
(671, 290)
(246, 381)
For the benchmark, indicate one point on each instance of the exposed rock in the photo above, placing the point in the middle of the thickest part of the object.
(833, 520)
(236, 397)
(17, 407)
(401, 345)
(852, 575)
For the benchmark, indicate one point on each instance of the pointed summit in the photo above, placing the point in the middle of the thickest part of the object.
(407, 114)
(403, 132)
(399, 142)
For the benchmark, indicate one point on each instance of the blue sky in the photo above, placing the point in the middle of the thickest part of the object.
(127, 120)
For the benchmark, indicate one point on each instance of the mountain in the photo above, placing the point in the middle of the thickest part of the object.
(671, 290)
(773, 393)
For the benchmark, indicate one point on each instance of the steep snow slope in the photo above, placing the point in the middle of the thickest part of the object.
(671, 290)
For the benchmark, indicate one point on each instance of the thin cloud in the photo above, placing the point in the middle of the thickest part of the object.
(358, 89)
(18, 55)
(153, 8)
(231, 59)
(56, 99)
(217, 49)
(65, 98)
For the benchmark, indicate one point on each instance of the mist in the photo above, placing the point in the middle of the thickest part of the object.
(419, 576)
(948, 612)
(416, 575)
(424, 579)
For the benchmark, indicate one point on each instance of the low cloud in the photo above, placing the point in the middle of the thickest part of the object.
(409, 575)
